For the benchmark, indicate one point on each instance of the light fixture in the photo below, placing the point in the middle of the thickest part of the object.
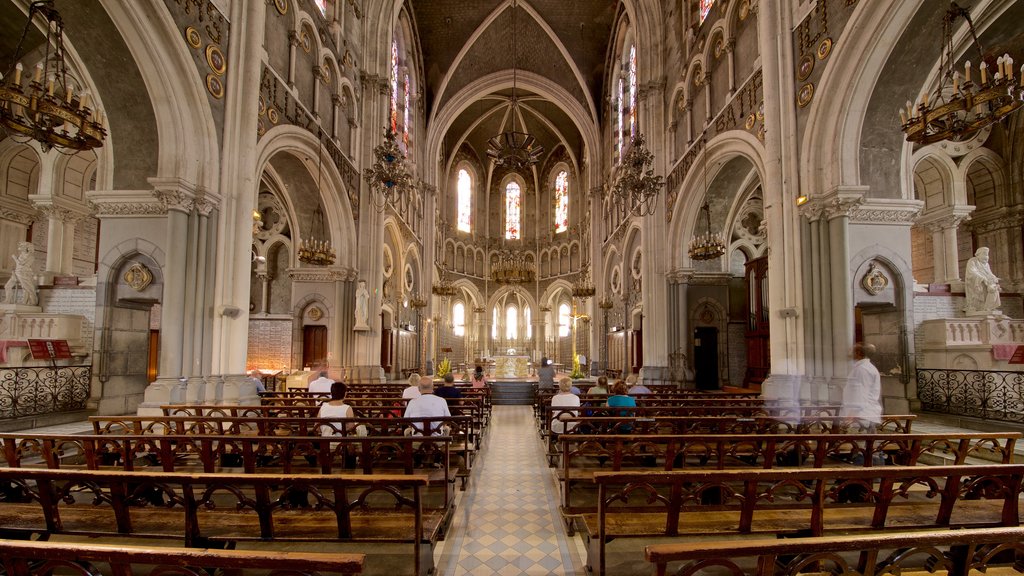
(514, 149)
(314, 249)
(512, 267)
(388, 177)
(417, 302)
(959, 108)
(636, 186)
(444, 287)
(709, 245)
(802, 199)
(605, 303)
(46, 108)
(583, 288)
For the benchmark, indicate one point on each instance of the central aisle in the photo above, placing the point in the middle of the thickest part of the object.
(507, 521)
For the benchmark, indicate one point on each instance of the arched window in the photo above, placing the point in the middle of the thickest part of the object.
(513, 198)
(465, 188)
(632, 91)
(511, 323)
(494, 324)
(529, 324)
(618, 123)
(394, 85)
(322, 5)
(459, 319)
(562, 202)
(405, 116)
(563, 320)
(705, 9)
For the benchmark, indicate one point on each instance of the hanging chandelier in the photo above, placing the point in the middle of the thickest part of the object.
(636, 186)
(444, 287)
(512, 267)
(45, 107)
(514, 149)
(709, 245)
(315, 249)
(959, 108)
(388, 177)
(583, 288)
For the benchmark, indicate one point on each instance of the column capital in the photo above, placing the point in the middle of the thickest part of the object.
(841, 201)
(175, 194)
(124, 203)
(679, 275)
(949, 217)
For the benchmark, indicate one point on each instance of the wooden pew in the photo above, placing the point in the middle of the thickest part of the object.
(946, 552)
(799, 502)
(586, 456)
(42, 558)
(218, 510)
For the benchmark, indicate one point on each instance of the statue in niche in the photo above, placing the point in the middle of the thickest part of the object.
(982, 286)
(24, 276)
(362, 306)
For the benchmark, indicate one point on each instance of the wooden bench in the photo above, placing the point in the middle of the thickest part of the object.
(20, 558)
(799, 502)
(219, 510)
(949, 552)
(585, 456)
(429, 456)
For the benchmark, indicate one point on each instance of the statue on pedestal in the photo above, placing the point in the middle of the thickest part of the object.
(362, 307)
(24, 276)
(982, 286)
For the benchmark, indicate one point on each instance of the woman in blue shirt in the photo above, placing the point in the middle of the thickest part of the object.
(619, 398)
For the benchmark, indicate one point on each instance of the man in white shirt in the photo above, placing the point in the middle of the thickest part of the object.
(321, 384)
(427, 405)
(413, 391)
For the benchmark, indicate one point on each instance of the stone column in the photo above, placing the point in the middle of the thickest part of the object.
(293, 45)
(60, 234)
(837, 211)
(943, 224)
(197, 389)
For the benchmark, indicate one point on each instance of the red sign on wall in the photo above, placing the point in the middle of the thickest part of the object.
(49, 349)
(1018, 356)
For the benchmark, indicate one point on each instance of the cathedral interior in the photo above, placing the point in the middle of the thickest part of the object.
(721, 194)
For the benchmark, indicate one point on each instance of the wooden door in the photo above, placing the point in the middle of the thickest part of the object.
(757, 333)
(705, 357)
(153, 366)
(386, 344)
(314, 345)
(636, 351)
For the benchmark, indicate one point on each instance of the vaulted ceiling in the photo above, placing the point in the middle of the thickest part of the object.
(554, 45)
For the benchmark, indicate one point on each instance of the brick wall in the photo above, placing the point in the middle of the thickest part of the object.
(270, 344)
(79, 300)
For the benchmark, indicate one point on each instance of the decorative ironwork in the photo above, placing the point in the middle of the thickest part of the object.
(388, 177)
(709, 245)
(42, 390)
(959, 108)
(315, 249)
(444, 287)
(583, 288)
(45, 108)
(636, 186)
(987, 394)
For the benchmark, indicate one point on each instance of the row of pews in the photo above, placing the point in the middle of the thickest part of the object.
(736, 485)
(227, 477)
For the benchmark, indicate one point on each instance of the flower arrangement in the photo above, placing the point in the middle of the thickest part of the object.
(444, 367)
(577, 370)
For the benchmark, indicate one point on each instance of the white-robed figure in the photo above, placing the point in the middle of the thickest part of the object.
(24, 276)
(362, 306)
(863, 391)
(982, 286)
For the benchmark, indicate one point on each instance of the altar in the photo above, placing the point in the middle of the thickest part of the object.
(511, 367)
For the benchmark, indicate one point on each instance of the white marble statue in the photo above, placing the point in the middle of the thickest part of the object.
(982, 285)
(24, 276)
(362, 306)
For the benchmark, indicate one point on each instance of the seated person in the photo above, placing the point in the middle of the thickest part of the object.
(336, 409)
(564, 398)
(413, 390)
(620, 398)
(257, 378)
(427, 405)
(635, 387)
(479, 380)
(321, 384)
(601, 387)
(447, 389)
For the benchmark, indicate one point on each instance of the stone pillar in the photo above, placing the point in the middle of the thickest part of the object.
(293, 45)
(60, 234)
(837, 211)
(196, 370)
(178, 201)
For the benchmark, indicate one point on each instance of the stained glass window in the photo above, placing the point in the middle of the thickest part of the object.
(405, 116)
(459, 319)
(322, 5)
(562, 202)
(618, 140)
(465, 187)
(563, 320)
(394, 86)
(494, 324)
(526, 320)
(632, 91)
(705, 9)
(511, 323)
(513, 198)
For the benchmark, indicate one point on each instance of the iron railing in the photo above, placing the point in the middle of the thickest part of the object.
(43, 390)
(988, 394)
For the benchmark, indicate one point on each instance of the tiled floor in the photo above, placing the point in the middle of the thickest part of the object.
(507, 522)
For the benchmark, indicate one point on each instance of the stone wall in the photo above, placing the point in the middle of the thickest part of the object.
(270, 344)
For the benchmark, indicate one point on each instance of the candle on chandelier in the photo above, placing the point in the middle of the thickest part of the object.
(984, 72)
(83, 103)
(38, 76)
(17, 73)
(999, 67)
(956, 83)
(69, 93)
(903, 116)
(967, 71)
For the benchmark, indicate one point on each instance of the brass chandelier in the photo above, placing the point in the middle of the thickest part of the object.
(512, 267)
(444, 287)
(583, 288)
(959, 107)
(636, 186)
(388, 177)
(514, 149)
(315, 249)
(709, 245)
(46, 107)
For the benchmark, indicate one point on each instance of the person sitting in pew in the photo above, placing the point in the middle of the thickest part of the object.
(479, 379)
(413, 390)
(336, 409)
(620, 398)
(601, 387)
(564, 398)
(635, 386)
(427, 404)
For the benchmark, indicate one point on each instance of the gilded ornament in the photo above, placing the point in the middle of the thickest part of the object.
(193, 38)
(824, 48)
(805, 95)
(214, 86)
(874, 281)
(138, 277)
(272, 115)
(215, 58)
(282, 6)
(744, 9)
(805, 67)
(315, 313)
(751, 119)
